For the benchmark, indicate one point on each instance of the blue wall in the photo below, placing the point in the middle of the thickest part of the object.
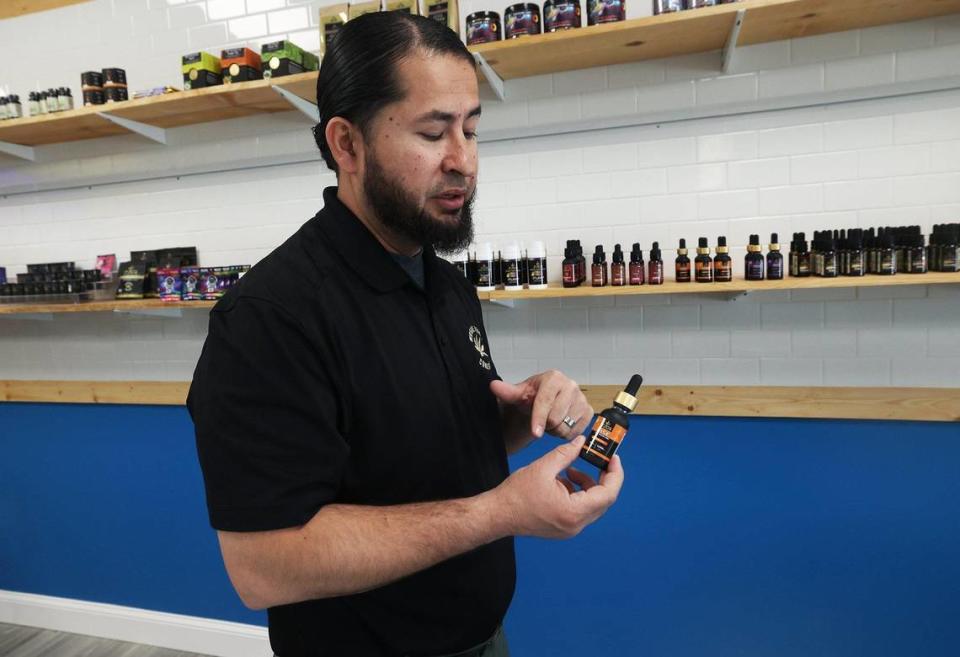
(731, 536)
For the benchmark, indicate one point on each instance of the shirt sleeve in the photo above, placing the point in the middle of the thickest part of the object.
(268, 419)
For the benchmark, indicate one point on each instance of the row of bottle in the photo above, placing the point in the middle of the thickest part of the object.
(514, 268)
(39, 102)
(702, 269)
(885, 252)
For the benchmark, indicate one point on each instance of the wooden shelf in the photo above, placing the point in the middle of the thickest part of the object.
(734, 288)
(552, 292)
(697, 30)
(923, 404)
(692, 31)
(99, 306)
(172, 110)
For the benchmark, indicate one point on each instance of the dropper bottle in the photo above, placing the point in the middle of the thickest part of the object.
(610, 426)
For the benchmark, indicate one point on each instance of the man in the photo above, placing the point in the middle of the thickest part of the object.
(351, 426)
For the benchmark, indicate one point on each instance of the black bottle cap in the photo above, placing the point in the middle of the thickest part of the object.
(774, 238)
(634, 386)
(702, 242)
(655, 251)
(636, 255)
(598, 255)
(617, 254)
(722, 241)
(683, 243)
(754, 240)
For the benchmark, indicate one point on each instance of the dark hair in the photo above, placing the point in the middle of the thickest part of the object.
(358, 74)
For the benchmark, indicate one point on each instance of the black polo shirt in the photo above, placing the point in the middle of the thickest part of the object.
(328, 376)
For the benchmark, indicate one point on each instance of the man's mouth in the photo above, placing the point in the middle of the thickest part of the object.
(451, 200)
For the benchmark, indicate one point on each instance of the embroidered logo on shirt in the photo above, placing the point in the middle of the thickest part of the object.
(476, 338)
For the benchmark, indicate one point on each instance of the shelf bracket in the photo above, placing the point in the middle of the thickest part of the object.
(493, 79)
(172, 313)
(305, 106)
(151, 132)
(506, 303)
(731, 46)
(17, 150)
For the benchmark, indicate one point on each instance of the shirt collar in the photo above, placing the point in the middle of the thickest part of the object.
(364, 255)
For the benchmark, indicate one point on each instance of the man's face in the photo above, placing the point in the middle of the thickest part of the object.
(420, 158)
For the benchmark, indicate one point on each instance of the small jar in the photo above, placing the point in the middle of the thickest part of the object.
(561, 15)
(606, 11)
(483, 27)
(667, 6)
(521, 20)
(696, 4)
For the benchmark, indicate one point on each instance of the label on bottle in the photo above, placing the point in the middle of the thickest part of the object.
(537, 273)
(618, 274)
(636, 273)
(722, 271)
(683, 272)
(570, 274)
(656, 273)
(775, 269)
(605, 438)
(484, 268)
(511, 273)
(704, 271)
(599, 278)
(754, 270)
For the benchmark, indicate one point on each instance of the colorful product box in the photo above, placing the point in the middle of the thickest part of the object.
(285, 58)
(200, 69)
(239, 65)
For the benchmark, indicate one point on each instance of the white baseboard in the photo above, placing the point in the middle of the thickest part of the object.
(155, 628)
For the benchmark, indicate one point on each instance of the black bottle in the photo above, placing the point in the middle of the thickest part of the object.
(637, 273)
(655, 275)
(582, 261)
(843, 254)
(949, 258)
(871, 251)
(856, 264)
(610, 426)
(753, 262)
(825, 257)
(722, 263)
(682, 265)
(599, 270)
(774, 259)
(618, 270)
(887, 256)
(916, 255)
(571, 268)
(799, 256)
(703, 263)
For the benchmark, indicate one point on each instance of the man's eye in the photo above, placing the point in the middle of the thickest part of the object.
(470, 135)
(430, 137)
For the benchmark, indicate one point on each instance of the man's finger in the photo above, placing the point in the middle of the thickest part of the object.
(612, 478)
(567, 484)
(510, 393)
(543, 402)
(581, 479)
(560, 458)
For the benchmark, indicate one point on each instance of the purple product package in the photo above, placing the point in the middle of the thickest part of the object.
(169, 284)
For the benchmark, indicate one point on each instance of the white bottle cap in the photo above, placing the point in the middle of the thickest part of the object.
(511, 251)
(538, 250)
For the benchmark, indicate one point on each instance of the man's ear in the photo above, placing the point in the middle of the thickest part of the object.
(345, 144)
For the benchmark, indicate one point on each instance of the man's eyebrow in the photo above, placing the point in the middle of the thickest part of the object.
(445, 117)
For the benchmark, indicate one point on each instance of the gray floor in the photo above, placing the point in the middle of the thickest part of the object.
(22, 641)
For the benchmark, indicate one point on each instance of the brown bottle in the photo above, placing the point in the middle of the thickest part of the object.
(618, 270)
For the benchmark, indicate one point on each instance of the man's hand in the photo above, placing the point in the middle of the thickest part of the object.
(541, 403)
(541, 502)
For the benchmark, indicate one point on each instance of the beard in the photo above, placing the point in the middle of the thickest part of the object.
(403, 214)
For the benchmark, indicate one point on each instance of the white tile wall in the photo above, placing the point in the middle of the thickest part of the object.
(889, 160)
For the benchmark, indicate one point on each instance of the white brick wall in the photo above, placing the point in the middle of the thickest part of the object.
(892, 159)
